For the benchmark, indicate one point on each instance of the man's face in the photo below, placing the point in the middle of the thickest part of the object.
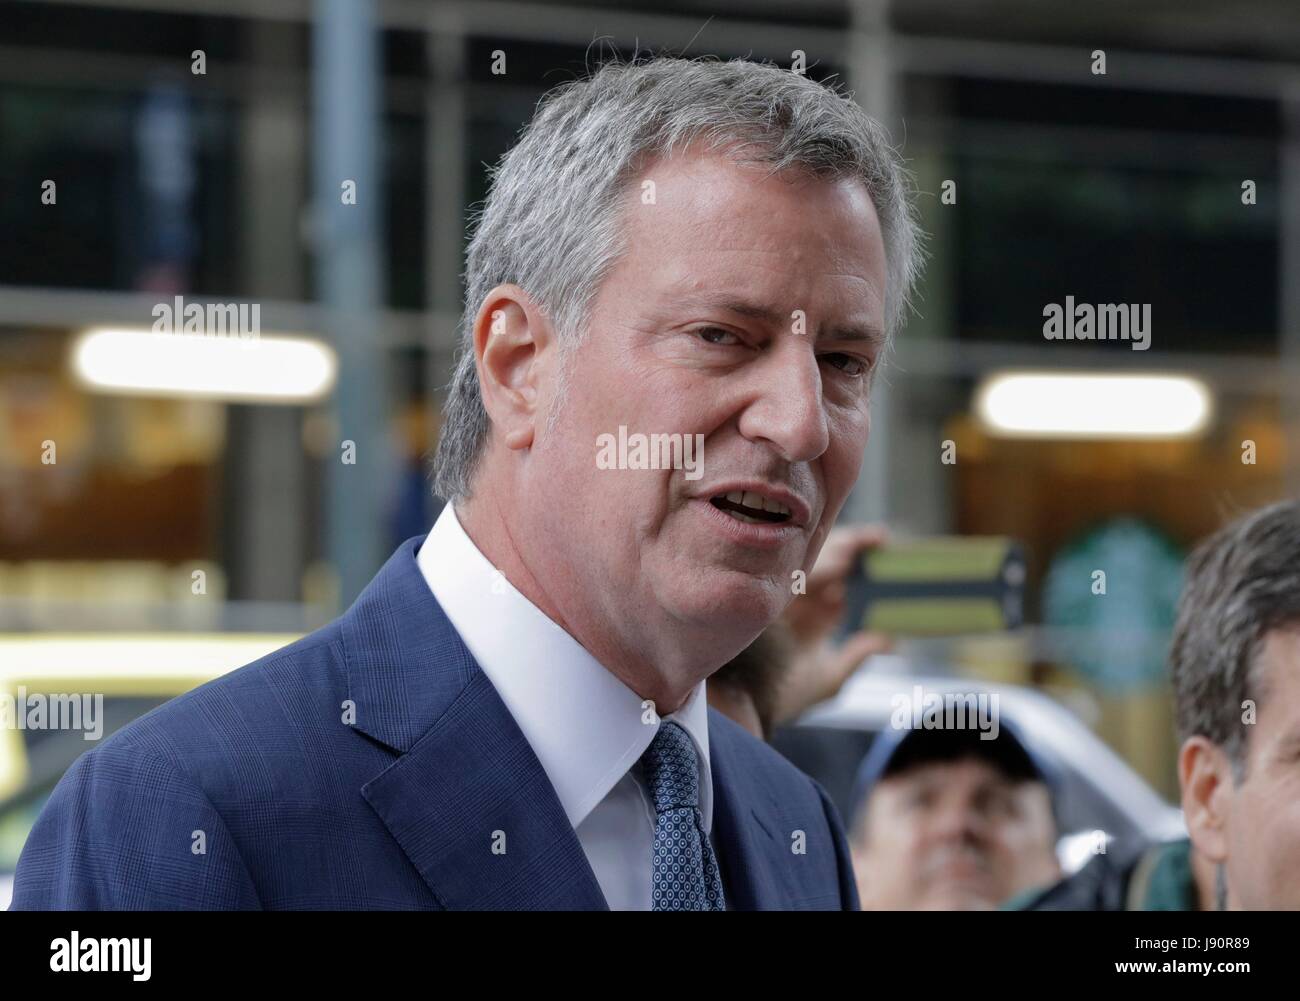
(953, 836)
(1262, 815)
(694, 332)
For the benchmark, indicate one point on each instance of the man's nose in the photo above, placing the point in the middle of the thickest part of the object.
(788, 411)
(959, 821)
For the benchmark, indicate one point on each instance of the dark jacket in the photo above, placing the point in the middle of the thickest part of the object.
(1145, 877)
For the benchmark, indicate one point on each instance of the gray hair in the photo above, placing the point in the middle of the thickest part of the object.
(1242, 583)
(550, 223)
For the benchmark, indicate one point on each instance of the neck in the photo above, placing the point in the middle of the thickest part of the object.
(650, 677)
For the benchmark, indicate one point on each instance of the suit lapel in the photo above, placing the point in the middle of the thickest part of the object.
(467, 801)
(477, 816)
(744, 825)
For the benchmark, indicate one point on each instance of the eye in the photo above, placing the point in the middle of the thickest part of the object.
(998, 803)
(848, 364)
(713, 335)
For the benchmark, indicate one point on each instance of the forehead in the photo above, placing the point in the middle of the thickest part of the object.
(1277, 672)
(699, 221)
(959, 778)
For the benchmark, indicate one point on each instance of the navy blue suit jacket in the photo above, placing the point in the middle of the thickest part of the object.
(252, 791)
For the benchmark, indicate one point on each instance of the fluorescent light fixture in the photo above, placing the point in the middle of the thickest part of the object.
(269, 368)
(1088, 405)
(114, 665)
(127, 663)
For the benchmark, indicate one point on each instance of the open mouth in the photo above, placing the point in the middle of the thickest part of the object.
(751, 508)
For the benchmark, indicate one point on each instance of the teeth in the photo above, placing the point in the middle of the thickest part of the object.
(758, 502)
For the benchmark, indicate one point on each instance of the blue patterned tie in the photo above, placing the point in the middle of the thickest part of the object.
(684, 872)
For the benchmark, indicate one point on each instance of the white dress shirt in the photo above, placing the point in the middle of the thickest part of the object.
(585, 726)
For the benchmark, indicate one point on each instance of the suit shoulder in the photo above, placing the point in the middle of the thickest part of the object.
(264, 693)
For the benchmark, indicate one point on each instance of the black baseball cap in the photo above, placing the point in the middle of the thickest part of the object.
(897, 749)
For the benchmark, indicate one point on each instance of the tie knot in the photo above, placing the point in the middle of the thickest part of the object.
(672, 770)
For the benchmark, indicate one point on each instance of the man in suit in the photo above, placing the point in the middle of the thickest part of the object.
(513, 713)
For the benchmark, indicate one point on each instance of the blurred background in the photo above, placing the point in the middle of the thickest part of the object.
(158, 527)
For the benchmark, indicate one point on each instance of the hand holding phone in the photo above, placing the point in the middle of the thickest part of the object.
(937, 586)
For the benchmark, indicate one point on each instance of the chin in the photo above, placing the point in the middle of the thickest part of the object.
(734, 609)
(957, 894)
(958, 902)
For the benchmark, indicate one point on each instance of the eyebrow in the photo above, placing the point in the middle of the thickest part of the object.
(774, 317)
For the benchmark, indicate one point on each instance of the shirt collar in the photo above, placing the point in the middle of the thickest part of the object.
(586, 727)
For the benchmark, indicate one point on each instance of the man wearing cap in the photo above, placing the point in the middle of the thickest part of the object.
(951, 819)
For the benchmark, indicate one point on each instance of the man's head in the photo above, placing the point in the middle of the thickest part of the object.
(946, 821)
(686, 248)
(1236, 675)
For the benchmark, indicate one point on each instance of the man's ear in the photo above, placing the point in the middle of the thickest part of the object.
(1205, 775)
(512, 346)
